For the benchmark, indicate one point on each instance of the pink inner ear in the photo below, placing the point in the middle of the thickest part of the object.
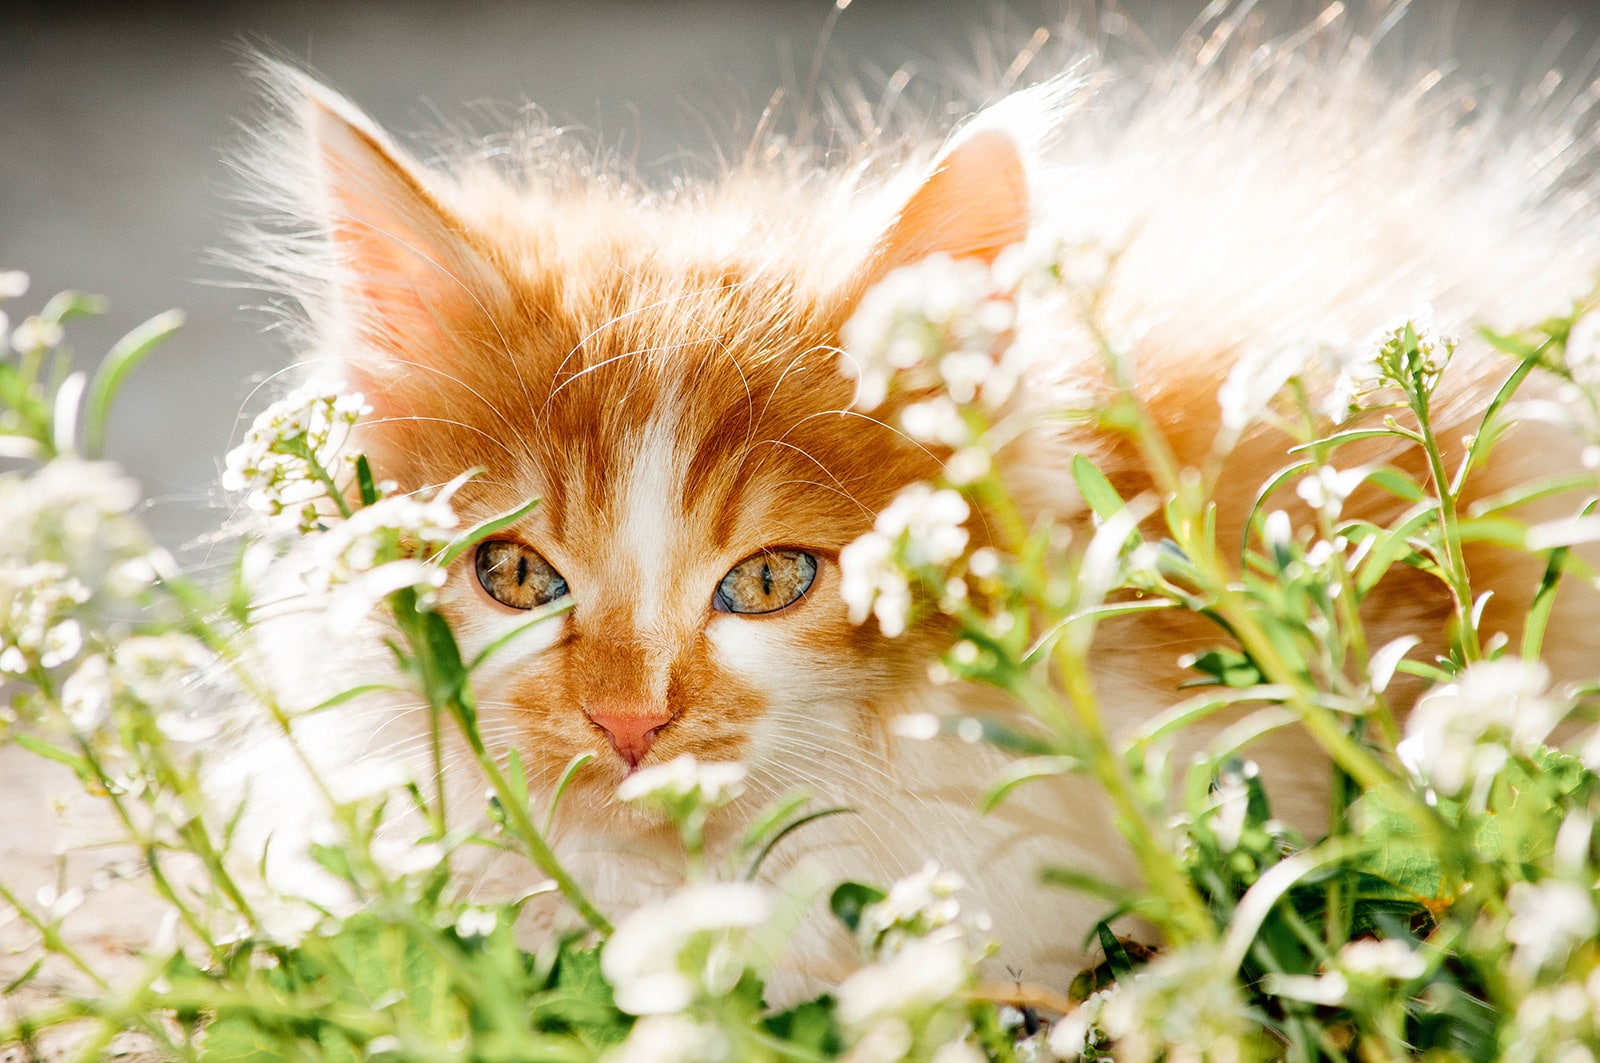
(974, 205)
(408, 271)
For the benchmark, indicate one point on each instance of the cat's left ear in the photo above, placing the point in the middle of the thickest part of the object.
(409, 278)
(973, 204)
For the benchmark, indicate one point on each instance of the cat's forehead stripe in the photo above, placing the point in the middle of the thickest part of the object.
(651, 488)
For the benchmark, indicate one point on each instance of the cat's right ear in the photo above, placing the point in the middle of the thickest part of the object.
(973, 203)
(408, 279)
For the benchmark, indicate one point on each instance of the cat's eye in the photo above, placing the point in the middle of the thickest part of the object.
(766, 582)
(516, 576)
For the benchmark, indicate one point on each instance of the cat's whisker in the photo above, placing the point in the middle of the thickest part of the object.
(452, 422)
(839, 484)
(493, 408)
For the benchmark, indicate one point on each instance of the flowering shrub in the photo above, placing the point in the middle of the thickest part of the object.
(1449, 912)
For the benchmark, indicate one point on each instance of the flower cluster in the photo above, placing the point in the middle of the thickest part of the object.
(908, 1000)
(682, 783)
(672, 1038)
(37, 629)
(1461, 734)
(379, 549)
(695, 945)
(1559, 1022)
(924, 958)
(915, 907)
(294, 453)
(66, 536)
(921, 529)
(1183, 1007)
(940, 323)
(152, 671)
(1081, 1034)
(1548, 920)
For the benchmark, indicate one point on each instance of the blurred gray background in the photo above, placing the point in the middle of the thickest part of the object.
(115, 119)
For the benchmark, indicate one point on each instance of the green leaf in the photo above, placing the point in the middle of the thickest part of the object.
(1095, 488)
(1028, 769)
(1502, 531)
(771, 819)
(479, 532)
(580, 1000)
(79, 766)
(790, 828)
(1486, 434)
(124, 355)
(1071, 878)
(64, 306)
(1117, 956)
(1227, 667)
(850, 899)
(1396, 483)
(1266, 491)
(1392, 545)
(808, 1028)
(574, 766)
(348, 695)
(1353, 436)
(369, 488)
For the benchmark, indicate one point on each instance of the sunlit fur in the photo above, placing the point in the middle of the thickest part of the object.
(661, 370)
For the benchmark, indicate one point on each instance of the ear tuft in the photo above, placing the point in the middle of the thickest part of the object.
(974, 204)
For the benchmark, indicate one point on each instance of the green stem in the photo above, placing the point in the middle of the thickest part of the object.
(1455, 569)
(53, 941)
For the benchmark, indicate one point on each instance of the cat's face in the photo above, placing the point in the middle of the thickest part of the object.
(674, 398)
(698, 472)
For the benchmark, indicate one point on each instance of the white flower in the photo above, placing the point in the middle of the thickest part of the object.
(86, 696)
(1583, 351)
(13, 284)
(871, 584)
(68, 508)
(1255, 380)
(649, 960)
(1389, 958)
(935, 421)
(275, 461)
(1185, 1005)
(1460, 735)
(1547, 919)
(923, 974)
(1075, 1033)
(1327, 489)
(683, 778)
(914, 907)
(360, 553)
(670, 1039)
(958, 1051)
(888, 1040)
(1355, 371)
(1232, 803)
(475, 922)
(930, 521)
(36, 334)
(941, 322)
(967, 465)
(36, 601)
(1327, 989)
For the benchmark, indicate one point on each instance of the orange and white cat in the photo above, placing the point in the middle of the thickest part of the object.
(661, 369)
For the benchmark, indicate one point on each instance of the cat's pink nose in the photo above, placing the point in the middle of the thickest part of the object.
(631, 733)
